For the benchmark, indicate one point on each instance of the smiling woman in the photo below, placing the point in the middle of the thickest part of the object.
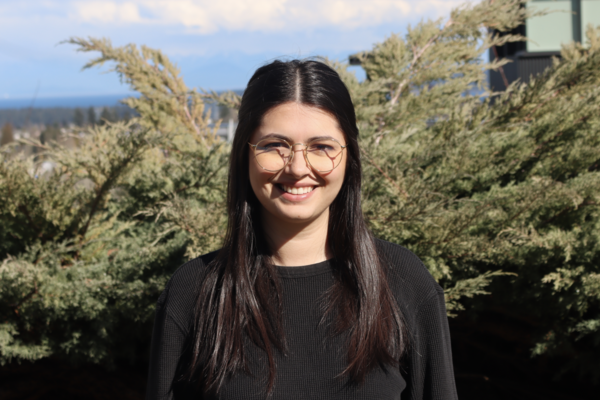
(290, 189)
(301, 301)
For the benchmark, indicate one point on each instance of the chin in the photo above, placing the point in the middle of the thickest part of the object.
(297, 217)
(293, 215)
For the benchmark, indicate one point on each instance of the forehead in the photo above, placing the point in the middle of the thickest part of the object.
(299, 123)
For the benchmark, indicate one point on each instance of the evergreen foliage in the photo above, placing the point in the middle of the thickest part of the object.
(496, 192)
(7, 134)
(78, 117)
(24, 118)
(91, 116)
(51, 133)
(107, 116)
(88, 246)
(507, 182)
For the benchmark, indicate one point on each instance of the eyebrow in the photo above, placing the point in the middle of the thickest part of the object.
(280, 136)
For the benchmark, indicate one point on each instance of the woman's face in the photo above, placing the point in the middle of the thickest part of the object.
(297, 123)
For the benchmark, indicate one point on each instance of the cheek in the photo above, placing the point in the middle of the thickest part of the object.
(254, 176)
(259, 179)
(340, 172)
(338, 180)
(334, 183)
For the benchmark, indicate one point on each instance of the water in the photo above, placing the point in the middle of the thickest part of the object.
(65, 102)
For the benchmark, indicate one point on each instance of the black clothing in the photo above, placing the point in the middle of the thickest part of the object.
(315, 359)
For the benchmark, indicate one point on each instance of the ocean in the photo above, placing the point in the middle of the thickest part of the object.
(65, 102)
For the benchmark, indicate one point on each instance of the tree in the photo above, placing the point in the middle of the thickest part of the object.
(108, 115)
(78, 117)
(7, 134)
(51, 133)
(126, 115)
(226, 113)
(476, 186)
(87, 247)
(91, 116)
(494, 196)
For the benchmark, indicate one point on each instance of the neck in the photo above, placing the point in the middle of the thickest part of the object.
(297, 244)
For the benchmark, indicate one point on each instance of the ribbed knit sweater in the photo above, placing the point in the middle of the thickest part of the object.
(314, 359)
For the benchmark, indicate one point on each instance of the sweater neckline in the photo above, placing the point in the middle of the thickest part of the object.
(304, 270)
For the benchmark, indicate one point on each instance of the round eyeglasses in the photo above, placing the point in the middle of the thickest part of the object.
(273, 154)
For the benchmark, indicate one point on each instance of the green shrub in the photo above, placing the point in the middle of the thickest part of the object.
(500, 188)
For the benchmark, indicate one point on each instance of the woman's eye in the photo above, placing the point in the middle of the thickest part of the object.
(320, 147)
(273, 145)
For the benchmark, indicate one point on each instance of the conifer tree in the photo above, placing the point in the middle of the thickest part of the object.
(7, 134)
(91, 116)
(51, 133)
(496, 192)
(108, 115)
(78, 118)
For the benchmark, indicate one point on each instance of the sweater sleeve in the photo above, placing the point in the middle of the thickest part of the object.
(428, 364)
(168, 341)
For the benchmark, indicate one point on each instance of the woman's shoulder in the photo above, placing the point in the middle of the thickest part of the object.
(408, 278)
(180, 293)
(189, 272)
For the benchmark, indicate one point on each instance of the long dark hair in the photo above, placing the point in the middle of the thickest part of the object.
(241, 295)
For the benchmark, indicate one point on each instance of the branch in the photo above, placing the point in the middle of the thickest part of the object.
(25, 211)
(33, 226)
(528, 117)
(191, 120)
(416, 56)
(101, 191)
(504, 80)
(384, 174)
(24, 299)
(564, 210)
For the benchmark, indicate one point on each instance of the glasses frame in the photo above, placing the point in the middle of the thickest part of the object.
(304, 152)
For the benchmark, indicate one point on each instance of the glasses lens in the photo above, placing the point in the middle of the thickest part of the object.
(324, 155)
(272, 154)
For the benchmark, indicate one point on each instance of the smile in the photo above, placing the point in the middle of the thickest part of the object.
(296, 190)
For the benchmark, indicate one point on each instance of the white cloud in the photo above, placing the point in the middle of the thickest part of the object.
(209, 16)
(438, 8)
(106, 12)
(217, 43)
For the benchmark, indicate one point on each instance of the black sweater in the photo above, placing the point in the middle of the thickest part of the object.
(314, 361)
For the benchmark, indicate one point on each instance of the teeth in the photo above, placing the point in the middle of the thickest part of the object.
(298, 190)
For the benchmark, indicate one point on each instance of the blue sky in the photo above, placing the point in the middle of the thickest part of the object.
(216, 43)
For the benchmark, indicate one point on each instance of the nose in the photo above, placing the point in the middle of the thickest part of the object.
(298, 166)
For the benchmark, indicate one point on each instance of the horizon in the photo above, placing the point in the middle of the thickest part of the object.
(84, 101)
(64, 101)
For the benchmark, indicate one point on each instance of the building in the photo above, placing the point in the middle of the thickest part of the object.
(567, 22)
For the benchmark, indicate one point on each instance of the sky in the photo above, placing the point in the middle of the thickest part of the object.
(217, 44)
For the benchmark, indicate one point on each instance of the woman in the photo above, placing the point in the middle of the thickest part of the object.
(301, 302)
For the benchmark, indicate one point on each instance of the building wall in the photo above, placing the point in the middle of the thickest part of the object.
(590, 15)
(567, 22)
(548, 32)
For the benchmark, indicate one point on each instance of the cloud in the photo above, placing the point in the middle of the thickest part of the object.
(217, 43)
(210, 16)
(106, 12)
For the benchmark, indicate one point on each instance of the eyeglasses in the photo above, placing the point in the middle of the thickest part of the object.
(273, 154)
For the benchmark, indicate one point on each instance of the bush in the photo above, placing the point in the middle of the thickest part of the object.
(492, 187)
